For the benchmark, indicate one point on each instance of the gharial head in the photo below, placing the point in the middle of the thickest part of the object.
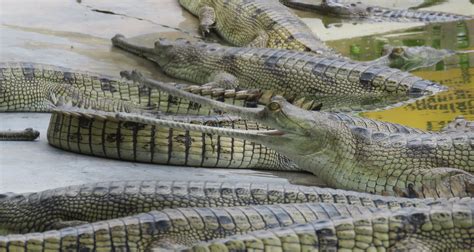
(164, 50)
(411, 58)
(296, 131)
(180, 50)
(302, 131)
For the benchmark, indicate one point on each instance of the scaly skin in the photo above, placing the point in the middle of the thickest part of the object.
(268, 24)
(347, 157)
(217, 152)
(291, 72)
(434, 228)
(105, 136)
(173, 228)
(460, 124)
(375, 13)
(32, 87)
(101, 134)
(28, 134)
(258, 23)
(38, 212)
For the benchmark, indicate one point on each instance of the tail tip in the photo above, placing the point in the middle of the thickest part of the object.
(425, 87)
(117, 38)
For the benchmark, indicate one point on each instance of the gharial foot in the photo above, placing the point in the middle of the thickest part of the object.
(223, 80)
(207, 17)
(134, 76)
(439, 183)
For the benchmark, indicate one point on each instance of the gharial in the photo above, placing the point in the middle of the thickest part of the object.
(267, 23)
(155, 226)
(355, 158)
(337, 220)
(329, 80)
(281, 70)
(357, 148)
(349, 141)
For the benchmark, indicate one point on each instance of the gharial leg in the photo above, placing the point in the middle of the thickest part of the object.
(223, 80)
(261, 40)
(207, 17)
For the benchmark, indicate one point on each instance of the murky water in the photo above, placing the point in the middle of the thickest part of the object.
(456, 72)
(76, 34)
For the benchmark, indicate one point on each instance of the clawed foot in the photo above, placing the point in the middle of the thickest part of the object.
(134, 76)
(205, 30)
(207, 18)
(440, 183)
(138, 78)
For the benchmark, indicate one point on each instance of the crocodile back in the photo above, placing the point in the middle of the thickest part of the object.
(240, 22)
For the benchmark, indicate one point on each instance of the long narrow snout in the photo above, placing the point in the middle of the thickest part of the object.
(248, 113)
(147, 52)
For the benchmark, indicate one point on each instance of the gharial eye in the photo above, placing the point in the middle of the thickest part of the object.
(274, 106)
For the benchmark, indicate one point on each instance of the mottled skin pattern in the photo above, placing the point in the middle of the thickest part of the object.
(172, 228)
(104, 136)
(85, 133)
(408, 229)
(101, 134)
(374, 13)
(292, 72)
(256, 23)
(136, 231)
(348, 157)
(364, 228)
(38, 212)
(33, 87)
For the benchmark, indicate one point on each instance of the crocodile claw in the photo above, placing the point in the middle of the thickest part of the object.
(205, 30)
(134, 75)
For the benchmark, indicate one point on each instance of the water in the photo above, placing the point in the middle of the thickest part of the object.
(456, 72)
